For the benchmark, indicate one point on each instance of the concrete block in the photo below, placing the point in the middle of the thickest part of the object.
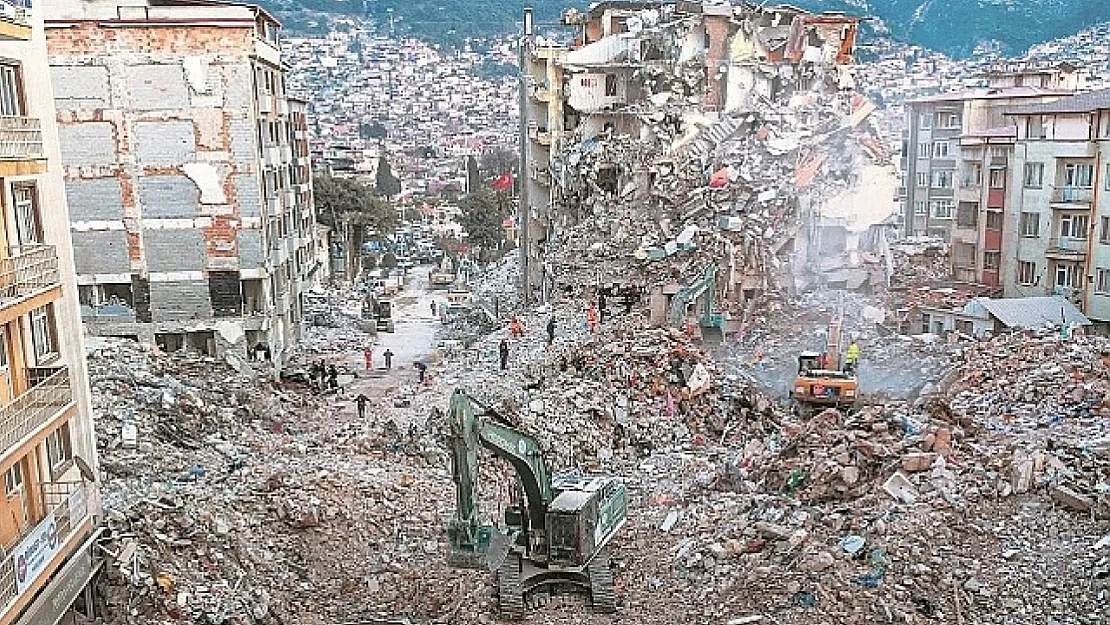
(180, 301)
(248, 195)
(169, 143)
(168, 196)
(79, 87)
(103, 251)
(174, 250)
(87, 143)
(250, 248)
(94, 199)
(157, 87)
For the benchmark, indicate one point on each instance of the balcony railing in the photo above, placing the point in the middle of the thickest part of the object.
(1072, 195)
(1068, 244)
(20, 137)
(26, 271)
(16, 11)
(67, 505)
(48, 394)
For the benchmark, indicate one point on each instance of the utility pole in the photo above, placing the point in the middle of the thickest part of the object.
(524, 210)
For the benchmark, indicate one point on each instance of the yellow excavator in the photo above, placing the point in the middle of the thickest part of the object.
(824, 379)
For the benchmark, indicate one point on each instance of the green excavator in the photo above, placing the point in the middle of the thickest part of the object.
(555, 539)
(701, 293)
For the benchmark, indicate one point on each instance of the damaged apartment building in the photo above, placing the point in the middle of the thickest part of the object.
(187, 175)
(673, 135)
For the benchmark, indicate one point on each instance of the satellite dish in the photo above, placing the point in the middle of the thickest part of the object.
(86, 471)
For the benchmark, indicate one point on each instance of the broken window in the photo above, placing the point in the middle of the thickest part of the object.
(1026, 272)
(1030, 224)
(1034, 175)
(253, 302)
(225, 293)
(611, 85)
(968, 215)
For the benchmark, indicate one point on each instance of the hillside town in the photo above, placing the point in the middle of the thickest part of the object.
(669, 312)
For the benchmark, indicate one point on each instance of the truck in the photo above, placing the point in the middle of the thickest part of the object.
(443, 276)
(556, 535)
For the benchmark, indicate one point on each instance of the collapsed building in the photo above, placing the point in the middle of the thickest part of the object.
(669, 136)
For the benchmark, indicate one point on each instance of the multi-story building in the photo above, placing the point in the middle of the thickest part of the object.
(191, 214)
(48, 515)
(1058, 235)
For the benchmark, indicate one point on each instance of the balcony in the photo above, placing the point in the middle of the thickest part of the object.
(47, 395)
(68, 504)
(27, 271)
(1072, 198)
(15, 20)
(20, 137)
(1067, 248)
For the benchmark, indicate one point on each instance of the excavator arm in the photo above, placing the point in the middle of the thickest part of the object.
(469, 538)
(703, 289)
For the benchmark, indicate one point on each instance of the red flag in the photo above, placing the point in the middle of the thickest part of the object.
(503, 182)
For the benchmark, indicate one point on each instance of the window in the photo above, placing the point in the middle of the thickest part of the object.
(992, 261)
(42, 333)
(942, 179)
(1034, 127)
(994, 220)
(968, 215)
(948, 120)
(926, 121)
(924, 150)
(27, 223)
(58, 447)
(610, 84)
(1034, 175)
(1104, 230)
(940, 149)
(13, 480)
(1074, 226)
(998, 179)
(941, 209)
(974, 175)
(922, 179)
(1106, 178)
(919, 207)
(1026, 272)
(3, 349)
(1102, 281)
(1030, 225)
(1078, 175)
(1067, 275)
(11, 91)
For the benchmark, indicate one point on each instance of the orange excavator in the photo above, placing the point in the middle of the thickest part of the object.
(823, 380)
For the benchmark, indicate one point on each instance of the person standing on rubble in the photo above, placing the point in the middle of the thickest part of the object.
(852, 357)
(503, 352)
(360, 403)
(515, 327)
(550, 330)
(368, 356)
(421, 369)
(388, 355)
(333, 377)
(591, 318)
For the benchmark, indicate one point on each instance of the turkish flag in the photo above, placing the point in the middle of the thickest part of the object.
(503, 182)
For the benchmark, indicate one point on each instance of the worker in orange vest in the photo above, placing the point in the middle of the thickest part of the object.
(515, 328)
(591, 318)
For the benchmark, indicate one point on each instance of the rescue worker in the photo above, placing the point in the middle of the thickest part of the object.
(515, 327)
(503, 352)
(368, 356)
(852, 357)
(591, 318)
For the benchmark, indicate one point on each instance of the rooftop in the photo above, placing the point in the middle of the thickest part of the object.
(992, 93)
(1081, 103)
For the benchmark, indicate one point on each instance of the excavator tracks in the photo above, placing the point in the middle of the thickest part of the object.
(602, 593)
(510, 596)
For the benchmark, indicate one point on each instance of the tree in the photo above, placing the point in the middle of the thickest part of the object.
(483, 214)
(386, 183)
(498, 161)
(349, 207)
(473, 178)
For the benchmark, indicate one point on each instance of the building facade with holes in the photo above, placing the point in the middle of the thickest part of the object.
(190, 206)
(50, 510)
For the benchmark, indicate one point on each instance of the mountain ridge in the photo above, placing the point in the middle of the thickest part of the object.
(954, 27)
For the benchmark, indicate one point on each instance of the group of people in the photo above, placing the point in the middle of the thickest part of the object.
(368, 357)
(323, 377)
